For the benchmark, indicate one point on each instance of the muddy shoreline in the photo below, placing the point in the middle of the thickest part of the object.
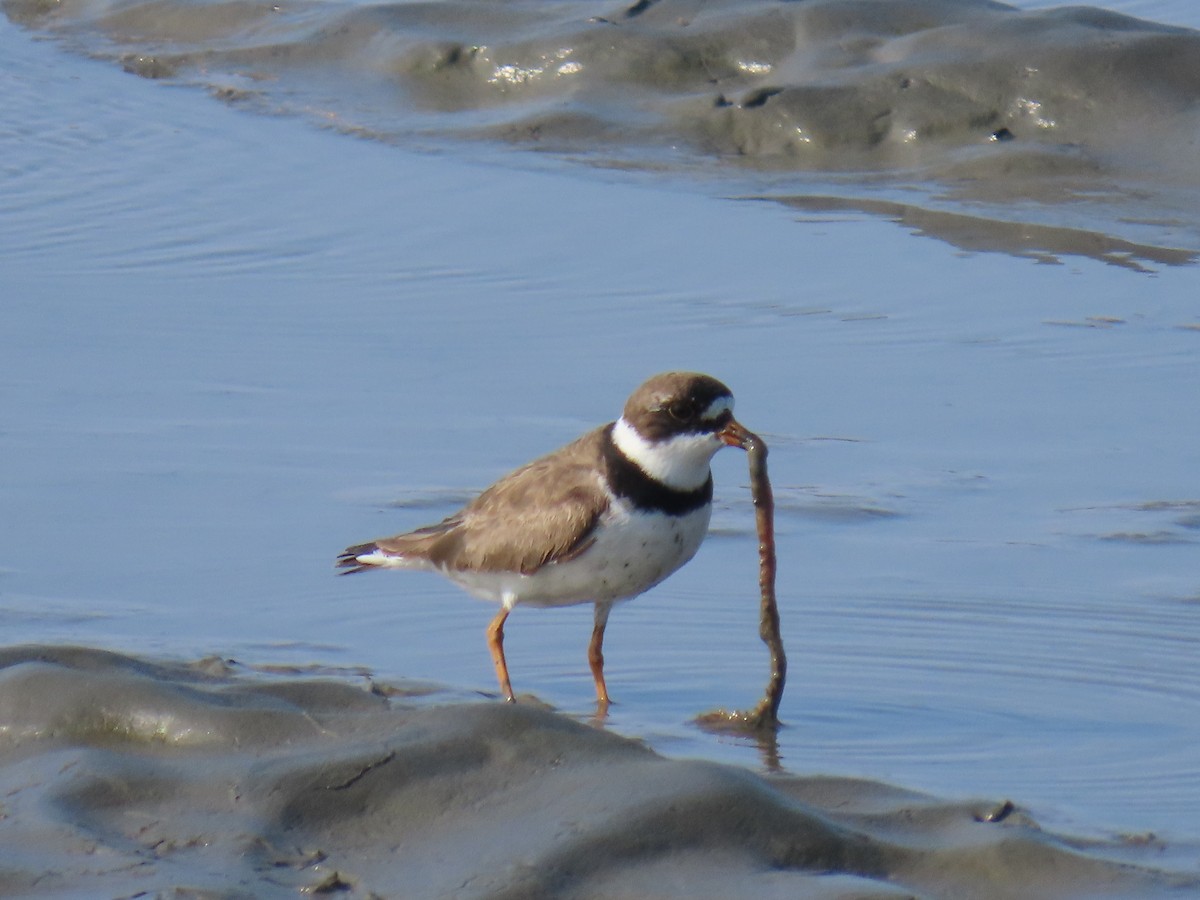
(127, 776)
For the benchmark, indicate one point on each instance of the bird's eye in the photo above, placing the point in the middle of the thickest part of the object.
(681, 411)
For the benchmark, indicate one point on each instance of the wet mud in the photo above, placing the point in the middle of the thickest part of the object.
(980, 106)
(126, 776)
(836, 84)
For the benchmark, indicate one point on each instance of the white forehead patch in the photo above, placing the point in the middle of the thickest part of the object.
(680, 462)
(717, 408)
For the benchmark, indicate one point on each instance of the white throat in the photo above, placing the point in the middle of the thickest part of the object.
(681, 462)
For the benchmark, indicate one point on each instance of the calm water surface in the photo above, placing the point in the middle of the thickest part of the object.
(231, 344)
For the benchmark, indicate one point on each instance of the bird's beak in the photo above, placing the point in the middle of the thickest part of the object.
(735, 435)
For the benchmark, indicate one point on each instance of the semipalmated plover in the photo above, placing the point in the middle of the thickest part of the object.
(600, 520)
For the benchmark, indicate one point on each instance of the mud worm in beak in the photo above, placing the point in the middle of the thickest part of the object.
(735, 435)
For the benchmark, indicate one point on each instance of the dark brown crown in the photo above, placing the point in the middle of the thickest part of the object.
(673, 403)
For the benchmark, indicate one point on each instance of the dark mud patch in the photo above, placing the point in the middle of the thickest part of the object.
(122, 776)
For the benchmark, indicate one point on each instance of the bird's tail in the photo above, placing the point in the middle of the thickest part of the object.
(412, 550)
(355, 559)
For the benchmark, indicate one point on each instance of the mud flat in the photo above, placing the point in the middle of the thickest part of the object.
(125, 776)
(1077, 120)
(962, 85)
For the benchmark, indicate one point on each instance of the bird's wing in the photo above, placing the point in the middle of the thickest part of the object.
(542, 513)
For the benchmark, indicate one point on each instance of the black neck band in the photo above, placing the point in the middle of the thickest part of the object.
(631, 483)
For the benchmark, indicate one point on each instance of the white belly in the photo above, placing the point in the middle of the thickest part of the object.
(632, 552)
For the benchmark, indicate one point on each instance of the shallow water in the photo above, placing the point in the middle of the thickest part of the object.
(232, 344)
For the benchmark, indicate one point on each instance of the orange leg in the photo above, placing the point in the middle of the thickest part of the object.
(596, 655)
(495, 637)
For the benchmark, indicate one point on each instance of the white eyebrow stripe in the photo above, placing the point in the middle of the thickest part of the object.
(717, 408)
